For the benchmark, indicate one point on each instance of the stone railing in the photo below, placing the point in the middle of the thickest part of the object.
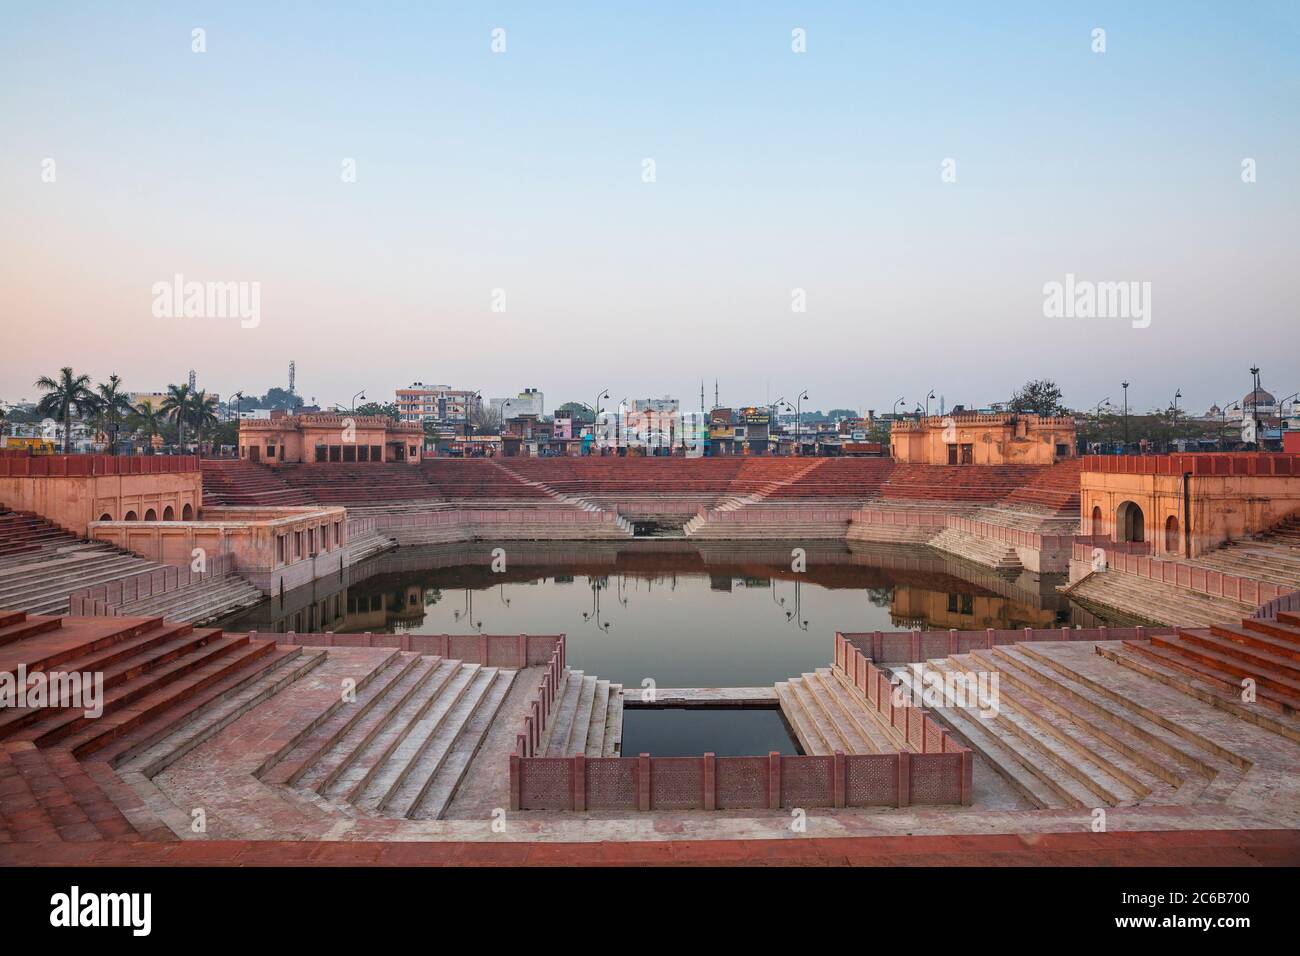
(513, 651)
(1203, 464)
(1188, 576)
(86, 466)
(108, 599)
(769, 782)
(912, 647)
(539, 707)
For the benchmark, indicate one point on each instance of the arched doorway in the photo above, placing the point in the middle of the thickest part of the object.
(151, 515)
(106, 517)
(1098, 527)
(1130, 524)
(187, 513)
(130, 516)
(1171, 535)
(169, 514)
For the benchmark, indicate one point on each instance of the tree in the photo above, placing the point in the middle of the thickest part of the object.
(66, 394)
(114, 407)
(203, 413)
(836, 414)
(485, 419)
(148, 420)
(1040, 397)
(281, 398)
(580, 413)
(376, 408)
(176, 406)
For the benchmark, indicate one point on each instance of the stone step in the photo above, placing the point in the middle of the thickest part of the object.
(556, 741)
(442, 788)
(24, 818)
(349, 786)
(844, 713)
(56, 804)
(156, 697)
(1161, 752)
(1141, 778)
(595, 739)
(577, 741)
(98, 807)
(613, 745)
(430, 759)
(221, 711)
(805, 730)
(441, 713)
(1270, 671)
(1289, 633)
(288, 768)
(879, 737)
(1036, 757)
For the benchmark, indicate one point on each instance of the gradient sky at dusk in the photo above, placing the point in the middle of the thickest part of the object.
(522, 171)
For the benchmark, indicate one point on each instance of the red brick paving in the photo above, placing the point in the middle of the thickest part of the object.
(1228, 848)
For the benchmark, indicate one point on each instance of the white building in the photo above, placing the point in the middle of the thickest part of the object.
(527, 402)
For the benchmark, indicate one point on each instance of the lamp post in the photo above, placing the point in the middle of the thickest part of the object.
(596, 409)
(1124, 385)
(798, 422)
(1174, 431)
(1104, 401)
(927, 403)
(353, 405)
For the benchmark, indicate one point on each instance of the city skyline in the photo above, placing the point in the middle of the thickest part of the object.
(819, 177)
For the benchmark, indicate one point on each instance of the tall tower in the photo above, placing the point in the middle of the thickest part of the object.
(291, 376)
(193, 380)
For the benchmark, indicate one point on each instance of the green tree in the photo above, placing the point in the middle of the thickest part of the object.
(203, 414)
(177, 407)
(64, 395)
(1040, 397)
(114, 407)
(148, 420)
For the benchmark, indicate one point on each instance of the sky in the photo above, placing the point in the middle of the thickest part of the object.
(921, 172)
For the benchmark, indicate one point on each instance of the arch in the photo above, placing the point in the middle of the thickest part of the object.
(1171, 534)
(187, 513)
(151, 515)
(1130, 523)
(1098, 525)
(130, 516)
(169, 513)
(106, 517)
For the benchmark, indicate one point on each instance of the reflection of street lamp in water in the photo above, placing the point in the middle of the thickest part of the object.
(468, 612)
(593, 615)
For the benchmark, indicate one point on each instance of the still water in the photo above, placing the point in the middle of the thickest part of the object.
(680, 614)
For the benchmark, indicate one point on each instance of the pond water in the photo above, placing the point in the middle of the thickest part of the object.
(716, 615)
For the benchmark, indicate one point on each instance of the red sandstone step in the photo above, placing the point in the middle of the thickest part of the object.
(150, 732)
(1203, 666)
(53, 795)
(21, 812)
(97, 734)
(60, 723)
(1287, 632)
(130, 661)
(1255, 663)
(75, 637)
(1249, 637)
(1289, 617)
(28, 628)
(94, 803)
(11, 617)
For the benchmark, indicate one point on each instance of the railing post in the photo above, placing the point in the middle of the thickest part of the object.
(904, 778)
(643, 782)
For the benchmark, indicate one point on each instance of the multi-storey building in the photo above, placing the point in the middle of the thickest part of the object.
(436, 403)
(527, 402)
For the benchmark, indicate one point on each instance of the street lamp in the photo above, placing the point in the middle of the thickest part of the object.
(798, 423)
(1125, 387)
(618, 425)
(927, 403)
(596, 409)
(362, 395)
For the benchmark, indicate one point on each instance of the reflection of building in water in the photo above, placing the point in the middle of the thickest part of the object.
(913, 607)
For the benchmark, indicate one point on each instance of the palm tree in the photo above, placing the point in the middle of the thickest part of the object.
(66, 394)
(203, 413)
(177, 408)
(148, 419)
(116, 406)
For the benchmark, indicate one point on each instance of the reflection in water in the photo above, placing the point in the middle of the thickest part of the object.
(717, 614)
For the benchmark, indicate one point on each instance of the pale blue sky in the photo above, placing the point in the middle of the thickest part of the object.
(522, 171)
